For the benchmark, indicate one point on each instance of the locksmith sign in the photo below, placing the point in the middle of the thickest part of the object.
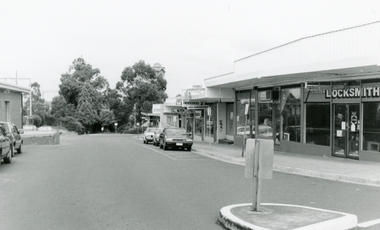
(325, 93)
(353, 92)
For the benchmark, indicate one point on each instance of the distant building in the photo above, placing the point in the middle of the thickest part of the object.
(11, 102)
(159, 69)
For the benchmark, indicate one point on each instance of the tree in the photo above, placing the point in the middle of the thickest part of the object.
(106, 117)
(142, 87)
(80, 73)
(60, 108)
(36, 93)
(113, 101)
(88, 105)
(39, 106)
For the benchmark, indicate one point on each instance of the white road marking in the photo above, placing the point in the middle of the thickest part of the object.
(369, 223)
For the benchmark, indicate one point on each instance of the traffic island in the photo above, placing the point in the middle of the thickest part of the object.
(257, 216)
(284, 217)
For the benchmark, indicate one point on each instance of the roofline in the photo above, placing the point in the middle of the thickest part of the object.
(14, 87)
(297, 40)
(219, 75)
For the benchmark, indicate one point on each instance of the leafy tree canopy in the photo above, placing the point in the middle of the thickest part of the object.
(60, 108)
(142, 87)
(80, 73)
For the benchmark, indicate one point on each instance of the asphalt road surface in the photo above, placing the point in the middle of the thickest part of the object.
(110, 181)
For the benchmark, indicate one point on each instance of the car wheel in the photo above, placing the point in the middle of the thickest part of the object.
(19, 150)
(189, 149)
(160, 145)
(164, 146)
(8, 159)
(13, 150)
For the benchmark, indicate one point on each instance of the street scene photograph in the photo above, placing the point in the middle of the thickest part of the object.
(250, 115)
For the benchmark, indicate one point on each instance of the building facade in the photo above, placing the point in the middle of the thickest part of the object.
(11, 103)
(318, 95)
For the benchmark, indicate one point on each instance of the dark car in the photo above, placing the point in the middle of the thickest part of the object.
(175, 138)
(156, 136)
(5, 146)
(14, 135)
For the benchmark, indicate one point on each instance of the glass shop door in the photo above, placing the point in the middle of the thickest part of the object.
(346, 130)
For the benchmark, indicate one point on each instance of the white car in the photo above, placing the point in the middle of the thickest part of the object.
(29, 128)
(148, 135)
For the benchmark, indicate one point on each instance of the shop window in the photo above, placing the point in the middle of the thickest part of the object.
(291, 114)
(371, 126)
(265, 121)
(318, 124)
(171, 120)
(199, 122)
(242, 99)
(230, 119)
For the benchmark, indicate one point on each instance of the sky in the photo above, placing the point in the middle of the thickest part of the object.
(193, 40)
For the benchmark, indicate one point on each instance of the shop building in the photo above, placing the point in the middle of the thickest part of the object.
(205, 113)
(11, 102)
(318, 95)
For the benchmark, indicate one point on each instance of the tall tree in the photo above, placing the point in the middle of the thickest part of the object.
(88, 105)
(113, 100)
(36, 92)
(80, 73)
(142, 87)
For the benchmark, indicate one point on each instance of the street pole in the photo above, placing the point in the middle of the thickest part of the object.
(209, 124)
(245, 127)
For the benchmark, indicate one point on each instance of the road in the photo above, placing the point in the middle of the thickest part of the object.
(114, 181)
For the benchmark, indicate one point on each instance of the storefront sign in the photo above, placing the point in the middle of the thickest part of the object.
(196, 89)
(353, 92)
(326, 94)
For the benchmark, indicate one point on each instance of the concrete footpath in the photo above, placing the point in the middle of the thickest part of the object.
(284, 216)
(331, 168)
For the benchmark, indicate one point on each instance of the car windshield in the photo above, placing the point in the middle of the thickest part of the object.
(175, 132)
(149, 130)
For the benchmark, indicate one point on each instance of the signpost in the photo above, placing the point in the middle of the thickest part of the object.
(258, 165)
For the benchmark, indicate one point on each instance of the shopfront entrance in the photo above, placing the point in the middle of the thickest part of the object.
(346, 130)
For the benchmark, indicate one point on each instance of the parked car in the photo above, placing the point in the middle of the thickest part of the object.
(5, 146)
(29, 128)
(156, 136)
(264, 130)
(175, 138)
(14, 135)
(148, 135)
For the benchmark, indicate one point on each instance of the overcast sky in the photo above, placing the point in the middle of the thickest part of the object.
(193, 40)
